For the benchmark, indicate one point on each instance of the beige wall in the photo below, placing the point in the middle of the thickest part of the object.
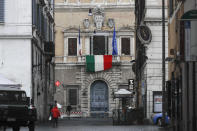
(96, 1)
(59, 46)
(174, 38)
(59, 1)
(85, 1)
(65, 20)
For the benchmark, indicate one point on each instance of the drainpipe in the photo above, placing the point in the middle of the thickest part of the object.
(163, 63)
(194, 96)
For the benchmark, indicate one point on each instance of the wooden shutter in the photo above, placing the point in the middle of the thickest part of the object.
(72, 46)
(2, 11)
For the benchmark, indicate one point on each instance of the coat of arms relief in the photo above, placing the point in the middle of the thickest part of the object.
(98, 16)
(98, 19)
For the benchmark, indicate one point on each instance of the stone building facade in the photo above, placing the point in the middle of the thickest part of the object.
(182, 91)
(92, 92)
(149, 55)
(153, 69)
(26, 48)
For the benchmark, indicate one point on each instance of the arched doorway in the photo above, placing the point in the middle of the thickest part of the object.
(99, 99)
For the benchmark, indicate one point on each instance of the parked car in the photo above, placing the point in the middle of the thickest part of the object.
(15, 109)
(157, 119)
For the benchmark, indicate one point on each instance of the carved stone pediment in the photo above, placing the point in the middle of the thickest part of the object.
(71, 29)
(123, 28)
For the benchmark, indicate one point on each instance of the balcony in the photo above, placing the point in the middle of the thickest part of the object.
(49, 50)
(80, 60)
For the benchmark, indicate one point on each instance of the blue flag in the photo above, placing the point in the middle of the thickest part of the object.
(114, 43)
(80, 50)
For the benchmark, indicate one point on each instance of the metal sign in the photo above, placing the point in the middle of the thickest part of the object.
(131, 81)
(57, 83)
(131, 84)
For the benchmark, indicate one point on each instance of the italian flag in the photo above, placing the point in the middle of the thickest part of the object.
(96, 63)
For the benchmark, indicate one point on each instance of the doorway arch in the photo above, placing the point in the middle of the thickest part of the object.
(99, 100)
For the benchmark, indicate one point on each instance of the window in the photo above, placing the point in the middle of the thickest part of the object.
(125, 44)
(10, 97)
(99, 45)
(72, 46)
(1, 11)
(72, 96)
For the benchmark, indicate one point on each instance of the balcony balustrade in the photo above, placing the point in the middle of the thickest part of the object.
(80, 59)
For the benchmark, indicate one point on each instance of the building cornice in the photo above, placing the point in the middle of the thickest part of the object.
(16, 36)
(75, 64)
(155, 7)
(154, 20)
(86, 7)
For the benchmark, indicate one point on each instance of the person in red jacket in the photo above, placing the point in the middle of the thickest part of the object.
(55, 114)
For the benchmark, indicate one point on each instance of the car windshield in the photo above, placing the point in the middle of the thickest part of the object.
(12, 97)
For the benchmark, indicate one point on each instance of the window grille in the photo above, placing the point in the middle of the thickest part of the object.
(2, 4)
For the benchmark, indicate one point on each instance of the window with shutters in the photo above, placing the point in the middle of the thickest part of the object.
(72, 46)
(2, 5)
(125, 44)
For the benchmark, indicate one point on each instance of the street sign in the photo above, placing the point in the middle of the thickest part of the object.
(57, 83)
(131, 82)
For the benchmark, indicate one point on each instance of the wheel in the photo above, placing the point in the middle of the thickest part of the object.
(159, 122)
(31, 126)
(16, 128)
(4, 128)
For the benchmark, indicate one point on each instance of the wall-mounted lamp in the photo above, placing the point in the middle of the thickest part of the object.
(90, 12)
(133, 61)
(169, 59)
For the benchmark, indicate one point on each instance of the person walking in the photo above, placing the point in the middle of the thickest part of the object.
(55, 114)
(68, 109)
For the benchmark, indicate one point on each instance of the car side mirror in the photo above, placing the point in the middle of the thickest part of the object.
(28, 100)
